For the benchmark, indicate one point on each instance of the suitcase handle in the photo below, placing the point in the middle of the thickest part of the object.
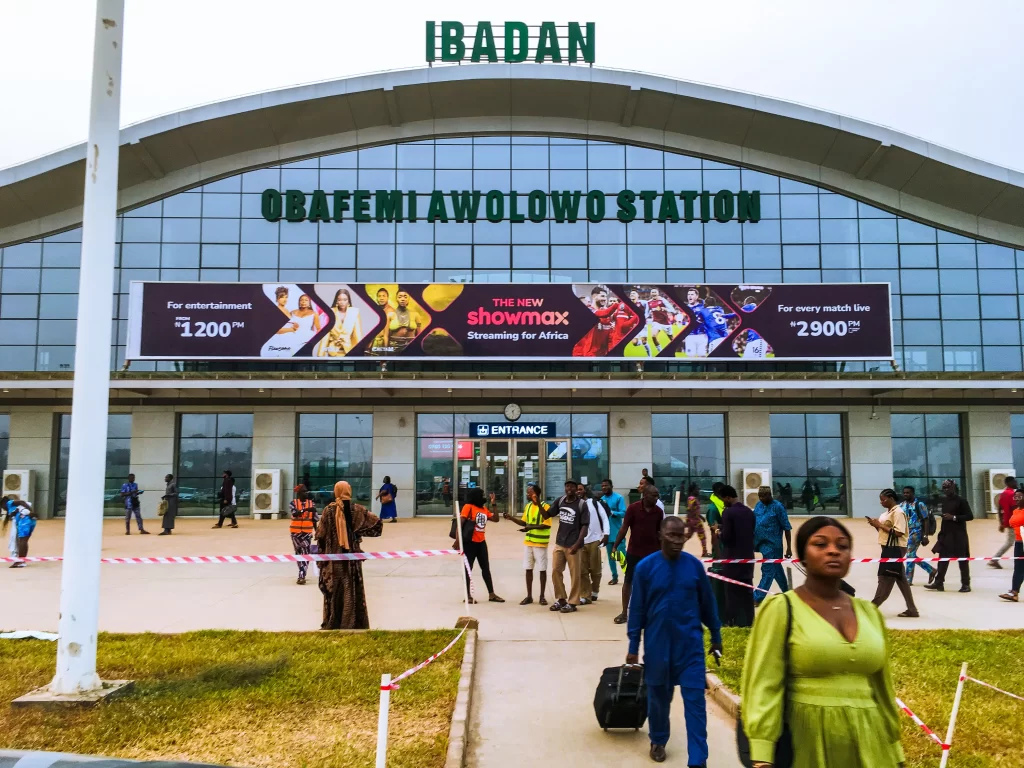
(618, 685)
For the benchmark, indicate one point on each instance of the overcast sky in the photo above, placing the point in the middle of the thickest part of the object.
(948, 71)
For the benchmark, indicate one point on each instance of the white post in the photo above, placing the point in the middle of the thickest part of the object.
(462, 549)
(382, 721)
(83, 528)
(675, 510)
(953, 714)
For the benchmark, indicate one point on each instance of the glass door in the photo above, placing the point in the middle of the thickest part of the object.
(556, 468)
(495, 473)
(529, 470)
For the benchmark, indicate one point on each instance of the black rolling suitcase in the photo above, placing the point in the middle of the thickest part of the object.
(621, 698)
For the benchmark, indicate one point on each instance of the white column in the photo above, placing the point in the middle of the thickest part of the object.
(273, 446)
(750, 443)
(630, 449)
(987, 446)
(152, 453)
(394, 454)
(869, 456)
(83, 532)
(31, 447)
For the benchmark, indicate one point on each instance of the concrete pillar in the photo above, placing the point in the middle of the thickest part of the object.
(273, 446)
(987, 445)
(31, 447)
(394, 454)
(749, 442)
(152, 453)
(869, 457)
(630, 450)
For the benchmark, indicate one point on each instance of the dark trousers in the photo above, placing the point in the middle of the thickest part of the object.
(23, 546)
(738, 608)
(659, 703)
(129, 511)
(965, 572)
(477, 551)
(1018, 565)
(228, 512)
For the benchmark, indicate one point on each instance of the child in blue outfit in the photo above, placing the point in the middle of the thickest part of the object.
(24, 524)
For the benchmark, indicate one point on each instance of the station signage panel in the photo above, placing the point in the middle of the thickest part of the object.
(513, 321)
(511, 429)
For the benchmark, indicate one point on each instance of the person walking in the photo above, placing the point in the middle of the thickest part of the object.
(132, 506)
(918, 517)
(475, 509)
(24, 524)
(771, 523)
(573, 524)
(671, 599)
(1016, 521)
(170, 500)
(616, 512)
(737, 535)
(952, 540)
(302, 526)
(9, 510)
(593, 544)
(818, 661)
(642, 521)
(228, 500)
(386, 496)
(536, 524)
(714, 517)
(892, 533)
(694, 520)
(1006, 507)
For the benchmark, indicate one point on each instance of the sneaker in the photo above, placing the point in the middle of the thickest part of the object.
(995, 564)
(568, 608)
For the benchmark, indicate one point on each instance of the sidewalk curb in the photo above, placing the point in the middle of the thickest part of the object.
(458, 733)
(722, 695)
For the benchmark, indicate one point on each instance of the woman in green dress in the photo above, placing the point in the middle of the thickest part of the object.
(833, 689)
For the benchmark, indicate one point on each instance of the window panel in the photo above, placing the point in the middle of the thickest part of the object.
(808, 467)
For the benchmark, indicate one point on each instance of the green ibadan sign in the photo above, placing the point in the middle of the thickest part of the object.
(577, 42)
(362, 205)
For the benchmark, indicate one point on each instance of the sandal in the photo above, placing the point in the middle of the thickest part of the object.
(543, 600)
(526, 600)
(495, 599)
(909, 615)
(1010, 596)
(621, 619)
(556, 606)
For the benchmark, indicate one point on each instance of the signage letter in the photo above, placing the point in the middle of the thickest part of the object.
(749, 207)
(389, 205)
(547, 44)
(495, 205)
(452, 47)
(724, 206)
(517, 46)
(537, 206)
(430, 41)
(688, 197)
(627, 208)
(318, 210)
(340, 203)
(578, 43)
(295, 205)
(361, 205)
(566, 206)
(483, 42)
(271, 204)
(595, 205)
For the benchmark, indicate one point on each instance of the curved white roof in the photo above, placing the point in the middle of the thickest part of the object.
(167, 154)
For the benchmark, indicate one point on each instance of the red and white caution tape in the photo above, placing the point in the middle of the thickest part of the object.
(920, 724)
(718, 576)
(393, 686)
(218, 559)
(1000, 690)
(783, 560)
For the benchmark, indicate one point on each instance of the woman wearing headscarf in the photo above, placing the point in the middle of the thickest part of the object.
(952, 540)
(343, 524)
(818, 666)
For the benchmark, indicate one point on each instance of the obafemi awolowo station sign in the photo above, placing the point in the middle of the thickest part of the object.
(362, 205)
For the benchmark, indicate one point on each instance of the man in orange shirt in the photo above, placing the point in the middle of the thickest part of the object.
(1006, 507)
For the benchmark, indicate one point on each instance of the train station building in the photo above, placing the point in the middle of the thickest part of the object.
(463, 178)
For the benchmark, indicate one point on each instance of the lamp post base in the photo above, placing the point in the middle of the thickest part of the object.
(45, 699)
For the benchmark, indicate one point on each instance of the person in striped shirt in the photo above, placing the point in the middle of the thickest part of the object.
(536, 524)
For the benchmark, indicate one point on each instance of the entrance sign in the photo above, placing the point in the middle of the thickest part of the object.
(517, 321)
(507, 429)
(518, 42)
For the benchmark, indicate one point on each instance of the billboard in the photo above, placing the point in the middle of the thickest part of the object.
(509, 321)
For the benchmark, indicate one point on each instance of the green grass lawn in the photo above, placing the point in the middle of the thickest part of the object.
(287, 700)
(925, 666)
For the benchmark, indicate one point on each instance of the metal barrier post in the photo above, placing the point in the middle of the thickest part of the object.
(953, 714)
(382, 721)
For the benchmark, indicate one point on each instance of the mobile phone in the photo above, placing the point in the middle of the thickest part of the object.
(718, 657)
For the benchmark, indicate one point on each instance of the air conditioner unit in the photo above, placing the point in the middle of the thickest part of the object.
(266, 493)
(20, 484)
(994, 483)
(752, 480)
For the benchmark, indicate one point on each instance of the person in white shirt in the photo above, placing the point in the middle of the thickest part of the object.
(593, 546)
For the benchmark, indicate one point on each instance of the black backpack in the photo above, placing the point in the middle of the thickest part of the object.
(929, 524)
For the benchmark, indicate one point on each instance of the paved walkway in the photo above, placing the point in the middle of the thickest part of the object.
(525, 651)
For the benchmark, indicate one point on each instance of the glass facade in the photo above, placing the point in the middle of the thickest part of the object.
(209, 443)
(955, 302)
(119, 454)
(808, 466)
(687, 448)
(5, 439)
(1017, 436)
(926, 449)
(337, 446)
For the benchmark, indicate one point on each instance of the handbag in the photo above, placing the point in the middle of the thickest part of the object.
(784, 744)
(161, 508)
(468, 524)
(892, 549)
(386, 497)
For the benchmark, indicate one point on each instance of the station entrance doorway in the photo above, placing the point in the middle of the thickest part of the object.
(507, 466)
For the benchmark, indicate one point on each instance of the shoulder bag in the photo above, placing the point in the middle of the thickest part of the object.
(386, 497)
(784, 744)
(892, 549)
